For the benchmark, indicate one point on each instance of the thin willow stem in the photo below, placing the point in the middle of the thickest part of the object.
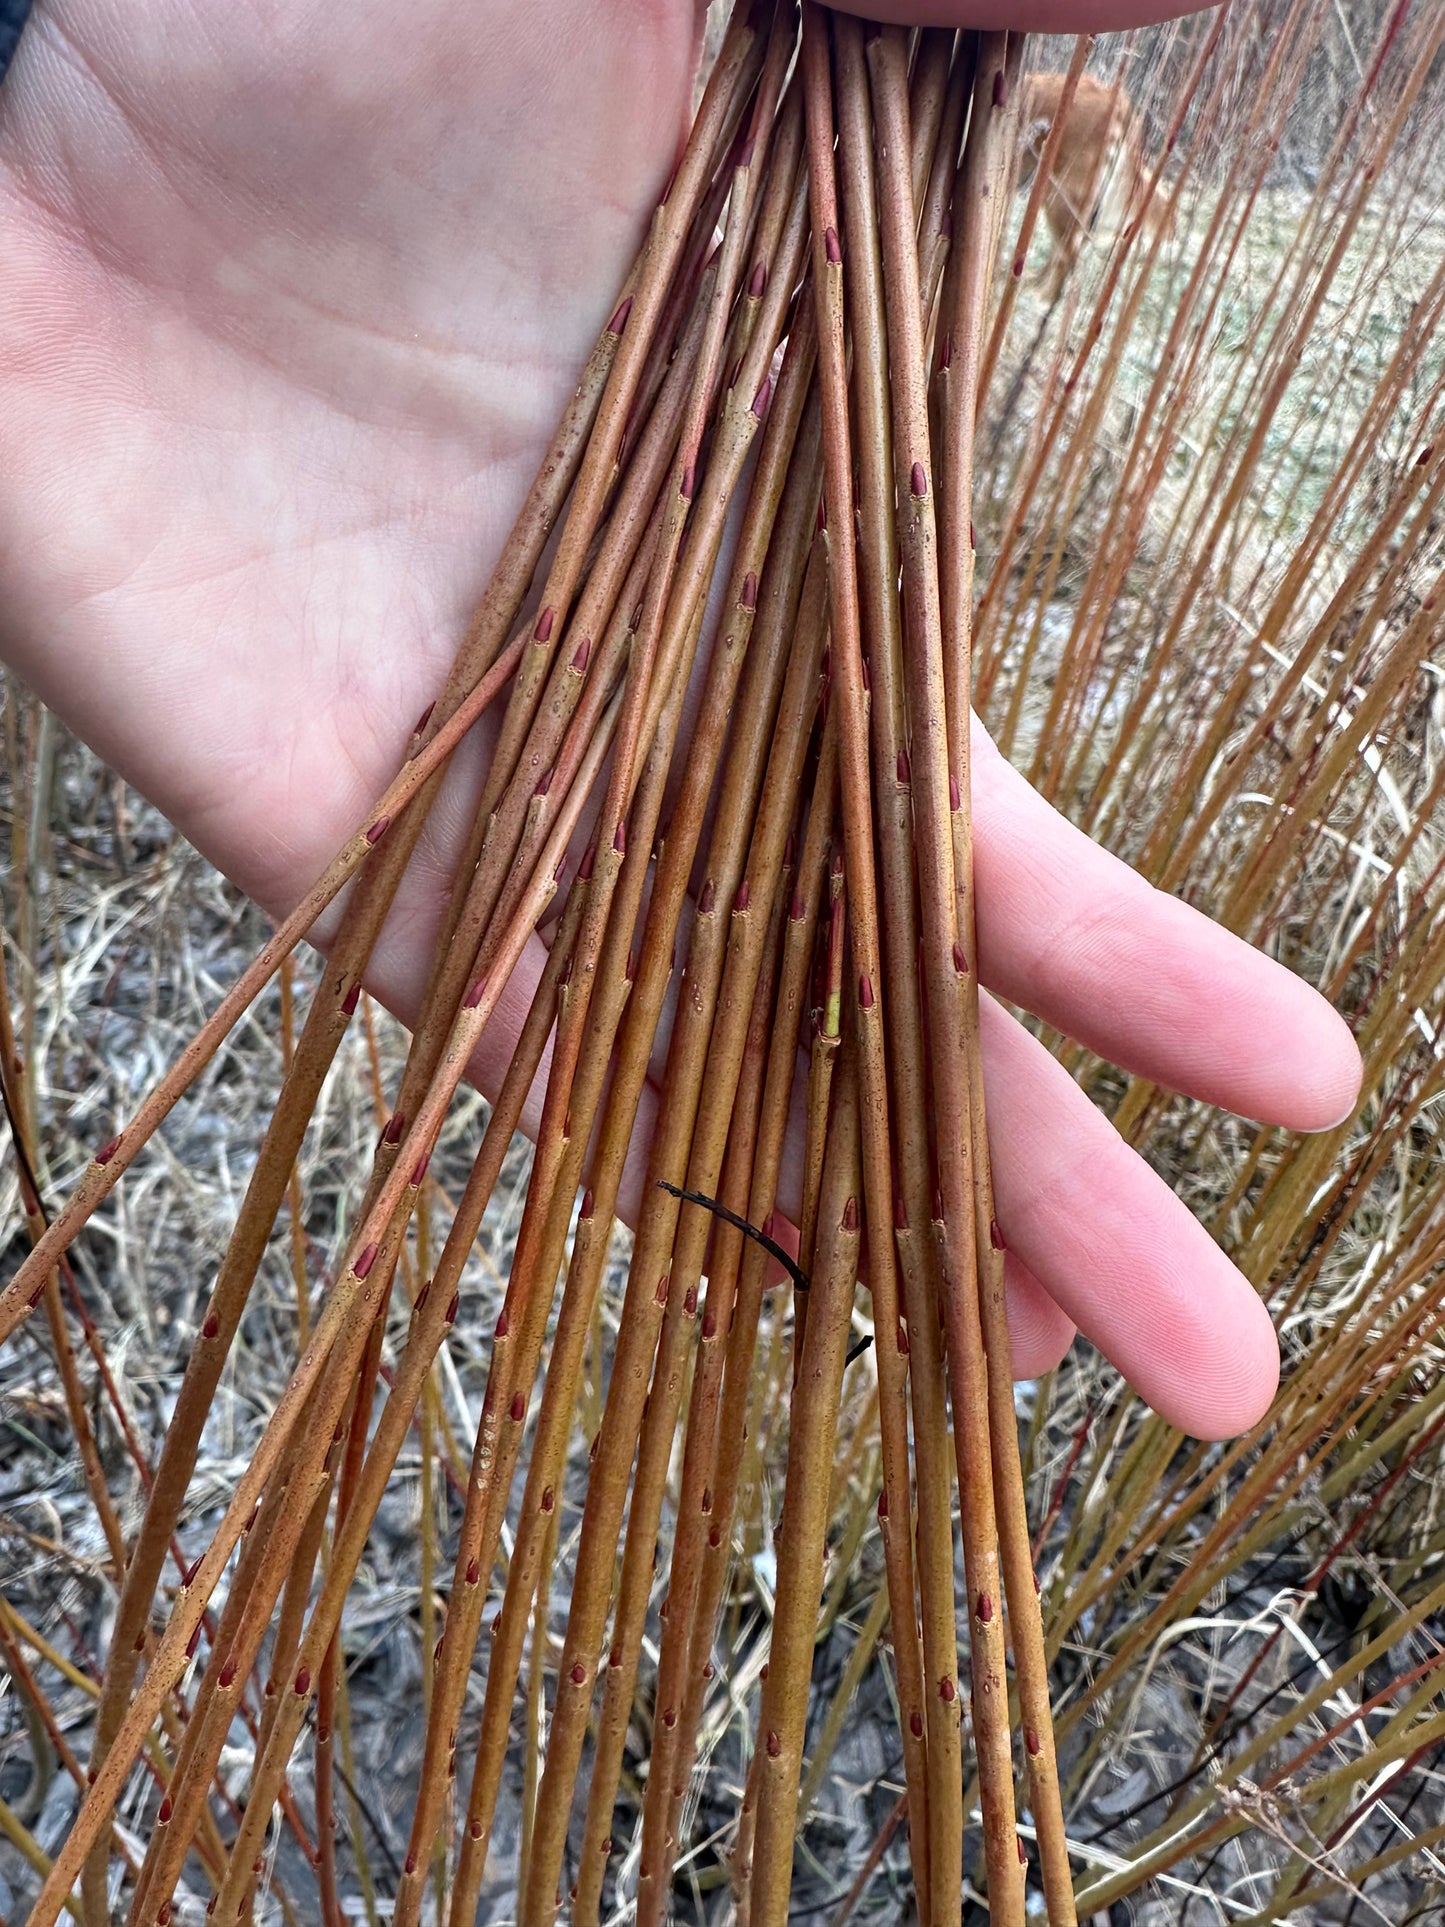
(978, 188)
(655, 1452)
(433, 1314)
(938, 783)
(653, 1310)
(804, 1523)
(886, 116)
(113, 1159)
(850, 691)
(742, 1331)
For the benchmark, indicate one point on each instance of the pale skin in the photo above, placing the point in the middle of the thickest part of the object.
(292, 297)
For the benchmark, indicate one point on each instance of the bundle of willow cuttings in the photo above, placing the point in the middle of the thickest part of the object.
(758, 509)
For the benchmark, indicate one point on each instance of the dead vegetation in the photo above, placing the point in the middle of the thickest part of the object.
(1210, 539)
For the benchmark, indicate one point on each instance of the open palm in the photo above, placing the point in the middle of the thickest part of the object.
(292, 297)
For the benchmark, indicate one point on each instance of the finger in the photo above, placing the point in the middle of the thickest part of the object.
(1040, 1332)
(1115, 1250)
(1074, 935)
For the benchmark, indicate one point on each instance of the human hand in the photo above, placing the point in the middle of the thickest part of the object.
(291, 304)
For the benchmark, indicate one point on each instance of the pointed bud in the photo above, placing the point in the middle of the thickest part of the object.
(905, 774)
(351, 1000)
(518, 1408)
(865, 991)
(619, 838)
(1000, 88)
(832, 247)
(955, 794)
(995, 1234)
(211, 1326)
(850, 1215)
(422, 720)
(744, 896)
(707, 902)
(983, 1609)
(763, 397)
(543, 630)
(365, 1261)
(758, 281)
(395, 1128)
(619, 320)
(107, 1150)
(303, 1681)
(918, 481)
(960, 962)
(378, 830)
(476, 993)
